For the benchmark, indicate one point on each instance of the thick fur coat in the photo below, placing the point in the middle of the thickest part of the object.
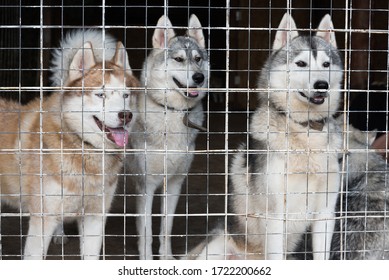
(175, 77)
(61, 154)
(285, 178)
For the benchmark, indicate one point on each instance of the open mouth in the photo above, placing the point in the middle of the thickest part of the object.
(318, 98)
(188, 91)
(118, 135)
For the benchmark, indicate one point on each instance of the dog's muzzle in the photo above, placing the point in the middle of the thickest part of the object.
(198, 79)
(118, 135)
(320, 94)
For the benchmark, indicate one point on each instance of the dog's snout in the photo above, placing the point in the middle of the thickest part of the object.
(323, 85)
(198, 78)
(125, 116)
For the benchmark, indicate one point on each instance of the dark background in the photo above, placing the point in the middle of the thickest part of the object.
(29, 31)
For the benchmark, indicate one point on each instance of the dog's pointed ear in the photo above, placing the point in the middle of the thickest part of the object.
(163, 33)
(196, 31)
(121, 58)
(287, 30)
(326, 30)
(83, 60)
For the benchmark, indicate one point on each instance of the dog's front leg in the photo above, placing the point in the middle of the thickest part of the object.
(40, 232)
(322, 231)
(272, 226)
(323, 226)
(168, 208)
(59, 235)
(275, 249)
(144, 206)
(91, 229)
(324, 221)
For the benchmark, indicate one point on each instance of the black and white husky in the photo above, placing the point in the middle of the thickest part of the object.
(286, 177)
(175, 76)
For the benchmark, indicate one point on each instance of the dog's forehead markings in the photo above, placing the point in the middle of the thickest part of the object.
(181, 53)
(114, 83)
(323, 56)
(304, 55)
(195, 53)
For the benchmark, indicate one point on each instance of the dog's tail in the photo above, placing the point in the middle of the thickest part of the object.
(104, 46)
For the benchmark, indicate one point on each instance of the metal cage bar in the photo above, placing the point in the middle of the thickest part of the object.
(239, 36)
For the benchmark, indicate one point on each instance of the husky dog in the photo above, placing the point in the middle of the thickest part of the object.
(286, 177)
(363, 230)
(61, 154)
(174, 76)
(289, 177)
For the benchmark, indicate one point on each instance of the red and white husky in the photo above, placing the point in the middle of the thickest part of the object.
(60, 155)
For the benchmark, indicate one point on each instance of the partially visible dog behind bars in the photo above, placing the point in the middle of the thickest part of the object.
(286, 177)
(175, 76)
(362, 225)
(362, 233)
(61, 154)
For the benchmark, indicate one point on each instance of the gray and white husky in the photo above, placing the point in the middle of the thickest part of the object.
(286, 177)
(175, 76)
(363, 230)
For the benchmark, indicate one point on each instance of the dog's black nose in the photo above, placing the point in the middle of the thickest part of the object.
(125, 116)
(198, 78)
(321, 85)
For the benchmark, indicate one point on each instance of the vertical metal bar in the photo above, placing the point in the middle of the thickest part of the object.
(227, 109)
(103, 214)
(347, 64)
(41, 130)
(19, 124)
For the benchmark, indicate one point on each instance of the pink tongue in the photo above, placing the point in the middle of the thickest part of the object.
(119, 136)
(193, 93)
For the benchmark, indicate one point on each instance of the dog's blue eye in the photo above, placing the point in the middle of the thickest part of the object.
(197, 59)
(179, 59)
(326, 64)
(301, 63)
(100, 95)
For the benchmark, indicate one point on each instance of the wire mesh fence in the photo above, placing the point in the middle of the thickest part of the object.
(223, 135)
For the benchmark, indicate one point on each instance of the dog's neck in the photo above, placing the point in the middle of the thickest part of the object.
(89, 146)
(186, 121)
(170, 108)
(316, 125)
(312, 124)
